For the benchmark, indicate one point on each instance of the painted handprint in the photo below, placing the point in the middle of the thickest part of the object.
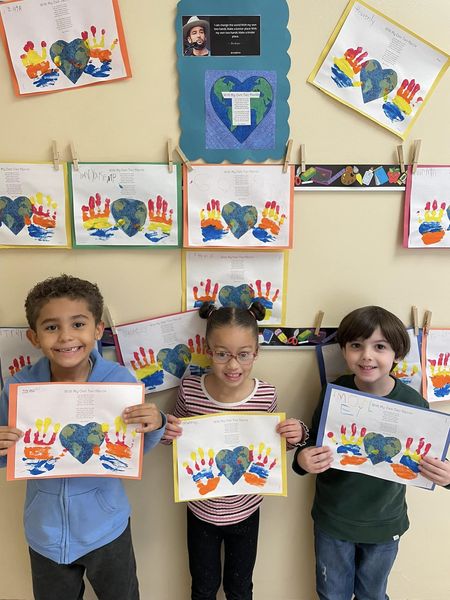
(96, 218)
(160, 220)
(42, 223)
(405, 372)
(346, 67)
(402, 104)
(431, 228)
(119, 449)
(37, 65)
(440, 375)
(147, 370)
(264, 296)
(206, 292)
(17, 364)
(200, 360)
(350, 446)
(269, 226)
(39, 457)
(260, 465)
(211, 222)
(99, 64)
(202, 471)
(408, 467)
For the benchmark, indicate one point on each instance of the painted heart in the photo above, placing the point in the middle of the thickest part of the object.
(380, 448)
(239, 297)
(239, 219)
(130, 215)
(71, 58)
(82, 440)
(175, 360)
(14, 212)
(259, 107)
(233, 463)
(376, 82)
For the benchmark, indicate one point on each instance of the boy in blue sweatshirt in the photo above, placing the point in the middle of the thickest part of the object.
(76, 526)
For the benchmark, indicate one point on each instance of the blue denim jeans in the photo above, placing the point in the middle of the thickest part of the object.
(346, 569)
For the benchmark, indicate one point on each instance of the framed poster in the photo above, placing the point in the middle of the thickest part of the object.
(84, 436)
(229, 453)
(380, 437)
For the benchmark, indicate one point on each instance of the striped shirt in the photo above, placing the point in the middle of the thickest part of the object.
(193, 400)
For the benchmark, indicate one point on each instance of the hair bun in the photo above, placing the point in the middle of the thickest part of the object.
(258, 310)
(206, 309)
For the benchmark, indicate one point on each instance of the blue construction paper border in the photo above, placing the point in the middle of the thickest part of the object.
(275, 40)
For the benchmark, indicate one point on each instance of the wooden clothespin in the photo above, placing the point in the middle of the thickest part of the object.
(416, 152)
(170, 154)
(74, 156)
(184, 158)
(110, 319)
(415, 320)
(319, 320)
(401, 158)
(287, 156)
(302, 158)
(427, 322)
(55, 155)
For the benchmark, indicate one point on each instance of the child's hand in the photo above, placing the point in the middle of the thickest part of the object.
(436, 470)
(315, 459)
(173, 429)
(292, 430)
(148, 415)
(8, 437)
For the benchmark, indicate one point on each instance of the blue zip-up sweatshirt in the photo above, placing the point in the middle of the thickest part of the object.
(68, 517)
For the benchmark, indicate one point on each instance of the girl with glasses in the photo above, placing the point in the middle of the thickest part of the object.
(232, 343)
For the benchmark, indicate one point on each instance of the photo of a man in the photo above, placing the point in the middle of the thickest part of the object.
(196, 37)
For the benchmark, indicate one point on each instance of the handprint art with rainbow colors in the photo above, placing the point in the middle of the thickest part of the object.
(350, 446)
(408, 467)
(200, 359)
(265, 296)
(405, 372)
(100, 57)
(430, 219)
(205, 292)
(96, 218)
(39, 455)
(440, 375)
(119, 449)
(403, 102)
(271, 221)
(18, 363)
(345, 68)
(147, 370)
(37, 65)
(41, 225)
(200, 470)
(160, 219)
(211, 222)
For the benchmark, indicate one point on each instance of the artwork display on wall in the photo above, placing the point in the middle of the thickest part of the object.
(237, 279)
(233, 86)
(33, 211)
(226, 454)
(126, 204)
(427, 208)
(81, 437)
(16, 351)
(379, 437)
(436, 361)
(160, 352)
(55, 46)
(379, 68)
(342, 178)
(242, 206)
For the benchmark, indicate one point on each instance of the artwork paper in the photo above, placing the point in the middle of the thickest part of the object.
(380, 437)
(160, 352)
(238, 206)
(126, 204)
(344, 177)
(16, 351)
(63, 44)
(409, 370)
(33, 205)
(74, 430)
(229, 453)
(379, 68)
(237, 279)
(436, 361)
(427, 208)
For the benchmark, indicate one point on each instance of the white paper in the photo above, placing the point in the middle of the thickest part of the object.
(16, 351)
(437, 364)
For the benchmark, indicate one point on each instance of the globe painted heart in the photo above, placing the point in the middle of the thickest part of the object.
(130, 215)
(71, 58)
(175, 360)
(380, 448)
(82, 440)
(14, 212)
(233, 463)
(238, 297)
(239, 219)
(259, 106)
(376, 82)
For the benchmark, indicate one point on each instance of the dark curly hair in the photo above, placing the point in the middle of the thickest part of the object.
(230, 315)
(64, 286)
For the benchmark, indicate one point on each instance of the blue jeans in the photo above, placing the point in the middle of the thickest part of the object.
(344, 569)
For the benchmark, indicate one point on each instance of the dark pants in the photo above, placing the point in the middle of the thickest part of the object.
(111, 570)
(204, 545)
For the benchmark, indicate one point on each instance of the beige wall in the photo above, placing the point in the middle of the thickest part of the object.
(347, 253)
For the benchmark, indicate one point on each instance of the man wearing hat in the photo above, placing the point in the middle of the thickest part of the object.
(195, 36)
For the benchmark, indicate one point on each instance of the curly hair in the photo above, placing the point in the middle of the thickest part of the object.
(64, 286)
